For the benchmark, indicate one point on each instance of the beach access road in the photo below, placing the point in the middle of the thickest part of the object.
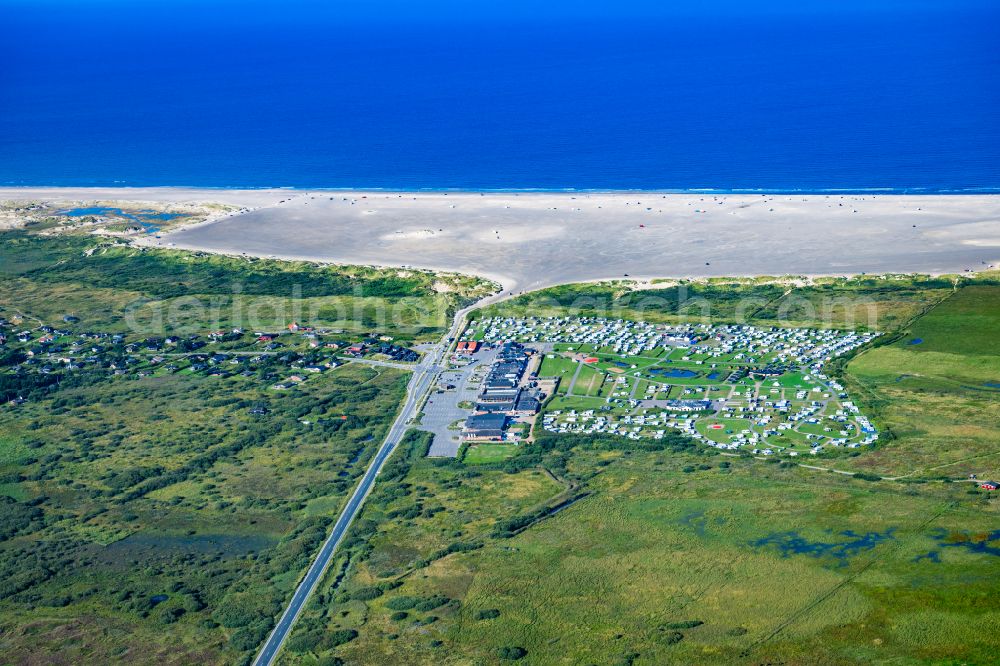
(419, 384)
(424, 376)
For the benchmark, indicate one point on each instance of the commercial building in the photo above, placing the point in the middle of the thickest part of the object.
(487, 427)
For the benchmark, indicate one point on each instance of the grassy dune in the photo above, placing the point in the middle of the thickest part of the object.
(113, 287)
(863, 302)
(155, 516)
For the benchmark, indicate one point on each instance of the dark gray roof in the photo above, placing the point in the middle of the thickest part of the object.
(505, 368)
(494, 381)
(528, 403)
(485, 422)
(499, 394)
(505, 406)
(484, 434)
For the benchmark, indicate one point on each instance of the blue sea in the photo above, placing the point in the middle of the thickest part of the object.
(806, 95)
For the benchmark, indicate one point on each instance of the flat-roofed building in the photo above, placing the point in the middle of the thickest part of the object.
(485, 427)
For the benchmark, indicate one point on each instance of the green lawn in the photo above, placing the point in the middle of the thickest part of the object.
(589, 382)
(729, 428)
(560, 367)
(480, 454)
(795, 380)
(661, 555)
(579, 403)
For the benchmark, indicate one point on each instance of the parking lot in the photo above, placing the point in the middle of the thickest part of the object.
(442, 409)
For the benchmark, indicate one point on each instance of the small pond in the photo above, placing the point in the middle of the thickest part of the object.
(674, 372)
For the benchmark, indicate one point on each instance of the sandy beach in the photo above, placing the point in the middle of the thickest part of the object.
(532, 240)
(247, 198)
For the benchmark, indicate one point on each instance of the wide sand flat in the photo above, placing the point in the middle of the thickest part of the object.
(529, 240)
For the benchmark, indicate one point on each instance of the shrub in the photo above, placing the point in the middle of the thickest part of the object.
(628, 659)
(430, 603)
(330, 661)
(249, 638)
(340, 636)
(240, 610)
(398, 616)
(16, 516)
(402, 603)
(172, 615)
(462, 547)
(366, 594)
(686, 624)
(512, 653)
(304, 642)
(487, 614)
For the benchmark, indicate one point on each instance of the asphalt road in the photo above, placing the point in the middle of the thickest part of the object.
(420, 384)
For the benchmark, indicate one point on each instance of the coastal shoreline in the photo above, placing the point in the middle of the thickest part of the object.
(530, 240)
(8, 190)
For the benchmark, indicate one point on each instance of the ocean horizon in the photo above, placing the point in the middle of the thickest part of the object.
(892, 98)
(903, 191)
